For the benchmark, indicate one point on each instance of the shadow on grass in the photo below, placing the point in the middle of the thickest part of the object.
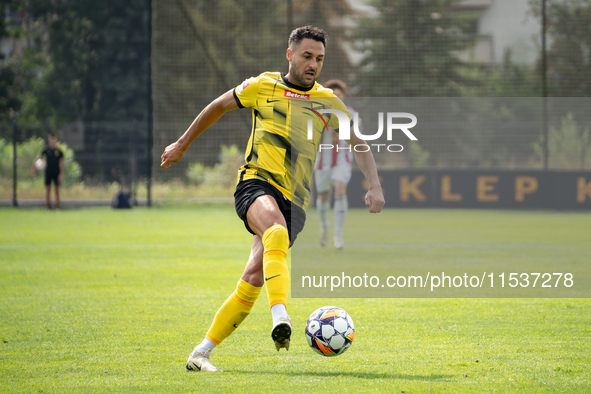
(361, 375)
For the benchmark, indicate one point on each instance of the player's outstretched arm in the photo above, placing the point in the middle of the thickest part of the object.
(374, 198)
(210, 114)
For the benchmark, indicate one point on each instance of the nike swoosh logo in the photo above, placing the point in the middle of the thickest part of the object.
(272, 101)
(266, 279)
(235, 326)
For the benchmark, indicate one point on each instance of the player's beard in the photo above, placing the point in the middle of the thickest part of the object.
(299, 78)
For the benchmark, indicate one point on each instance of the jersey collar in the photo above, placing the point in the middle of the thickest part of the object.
(292, 86)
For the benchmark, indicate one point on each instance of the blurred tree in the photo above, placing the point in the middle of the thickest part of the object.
(411, 49)
(569, 55)
(217, 45)
(332, 16)
(213, 48)
(513, 80)
(9, 101)
(27, 151)
(202, 49)
(93, 69)
(569, 145)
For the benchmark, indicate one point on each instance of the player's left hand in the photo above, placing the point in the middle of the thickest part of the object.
(60, 178)
(374, 200)
(172, 154)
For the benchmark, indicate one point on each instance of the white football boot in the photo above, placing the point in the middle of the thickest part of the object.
(199, 361)
(281, 333)
(338, 242)
(323, 235)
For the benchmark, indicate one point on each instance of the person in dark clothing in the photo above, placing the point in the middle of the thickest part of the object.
(54, 169)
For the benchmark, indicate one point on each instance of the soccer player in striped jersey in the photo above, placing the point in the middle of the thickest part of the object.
(333, 168)
(273, 188)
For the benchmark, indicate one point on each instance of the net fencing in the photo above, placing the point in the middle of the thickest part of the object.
(91, 86)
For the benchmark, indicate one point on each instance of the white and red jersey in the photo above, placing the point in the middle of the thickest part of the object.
(327, 159)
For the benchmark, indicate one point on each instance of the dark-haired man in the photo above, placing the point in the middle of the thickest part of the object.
(273, 186)
(54, 169)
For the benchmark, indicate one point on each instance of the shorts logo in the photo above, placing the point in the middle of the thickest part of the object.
(290, 94)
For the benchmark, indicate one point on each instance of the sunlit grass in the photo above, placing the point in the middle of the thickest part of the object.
(101, 300)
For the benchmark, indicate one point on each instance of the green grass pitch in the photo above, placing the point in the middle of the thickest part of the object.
(97, 300)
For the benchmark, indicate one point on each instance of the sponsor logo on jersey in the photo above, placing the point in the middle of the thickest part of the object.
(290, 94)
(240, 88)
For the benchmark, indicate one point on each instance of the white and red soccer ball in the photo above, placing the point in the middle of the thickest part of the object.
(40, 164)
(330, 331)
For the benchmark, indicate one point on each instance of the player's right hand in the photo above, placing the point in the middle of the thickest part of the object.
(172, 154)
(374, 200)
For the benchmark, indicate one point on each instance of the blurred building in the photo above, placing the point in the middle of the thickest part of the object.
(504, 26)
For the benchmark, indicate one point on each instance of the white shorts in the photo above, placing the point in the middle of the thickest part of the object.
(325, 178)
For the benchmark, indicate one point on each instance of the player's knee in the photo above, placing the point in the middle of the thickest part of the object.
(340, 189)
(276, 237)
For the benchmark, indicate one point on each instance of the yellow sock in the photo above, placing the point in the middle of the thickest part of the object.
(233, 311)
(276, 243)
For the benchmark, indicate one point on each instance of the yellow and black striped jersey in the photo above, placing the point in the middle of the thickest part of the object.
(279, 150)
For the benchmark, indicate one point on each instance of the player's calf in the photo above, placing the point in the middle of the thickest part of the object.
(276, 242)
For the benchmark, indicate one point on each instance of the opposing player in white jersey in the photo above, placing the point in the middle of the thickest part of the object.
(333, 168)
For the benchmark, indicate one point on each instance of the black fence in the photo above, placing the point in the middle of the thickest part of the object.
(119, 81)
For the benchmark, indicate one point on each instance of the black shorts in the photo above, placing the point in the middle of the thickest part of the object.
(52, 177)
(250, 190)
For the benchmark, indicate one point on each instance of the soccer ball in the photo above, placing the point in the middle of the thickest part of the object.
(40, 164)
(330, 331)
